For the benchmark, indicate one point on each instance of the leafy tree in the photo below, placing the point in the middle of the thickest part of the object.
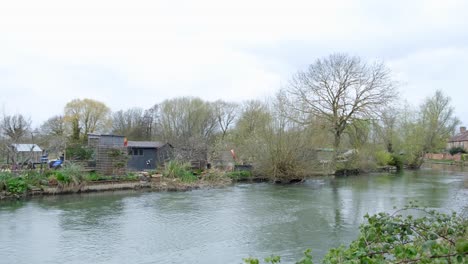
(438, 121)
(86, 116)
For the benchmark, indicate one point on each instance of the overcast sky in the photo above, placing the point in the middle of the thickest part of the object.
(140, 52)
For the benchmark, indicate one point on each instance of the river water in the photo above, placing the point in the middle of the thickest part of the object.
(218, 225)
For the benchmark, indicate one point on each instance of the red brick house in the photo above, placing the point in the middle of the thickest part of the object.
(459, 140)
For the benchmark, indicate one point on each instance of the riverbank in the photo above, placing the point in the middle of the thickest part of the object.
(144, 182)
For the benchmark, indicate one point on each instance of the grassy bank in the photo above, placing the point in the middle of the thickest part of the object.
(73, 179)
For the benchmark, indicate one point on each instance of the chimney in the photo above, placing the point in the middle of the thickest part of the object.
(462, 129)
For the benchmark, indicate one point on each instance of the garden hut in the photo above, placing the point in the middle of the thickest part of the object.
(25, 153)
(148, 155)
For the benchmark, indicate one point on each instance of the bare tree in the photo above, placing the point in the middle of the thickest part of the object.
(226, 114)
(340, 89)
(15, 127)
(130, 123)
(54, 126)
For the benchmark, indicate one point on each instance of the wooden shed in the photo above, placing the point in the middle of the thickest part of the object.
(148, 155)
(25, 153)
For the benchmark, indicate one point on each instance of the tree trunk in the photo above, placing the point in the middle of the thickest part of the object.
(336, 146)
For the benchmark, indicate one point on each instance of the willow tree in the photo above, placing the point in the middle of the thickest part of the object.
(340, 89)
(86, 116)
(438, 121)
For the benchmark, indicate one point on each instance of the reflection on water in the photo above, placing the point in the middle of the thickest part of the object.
(214, 226)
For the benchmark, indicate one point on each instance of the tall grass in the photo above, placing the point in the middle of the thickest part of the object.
(179, 170)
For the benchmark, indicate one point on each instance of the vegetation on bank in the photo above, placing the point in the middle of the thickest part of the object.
(408, 235)
(178, 175)
(338, 113)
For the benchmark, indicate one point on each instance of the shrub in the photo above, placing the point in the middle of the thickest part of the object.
(34, 178)
(4, 177)
(16, 185)
(396, 161)
(456, 150)
(131, 176)
(71, 173)
(93, 176)
(383, 158)
(239, 175)
(176, 169)
(393, 238)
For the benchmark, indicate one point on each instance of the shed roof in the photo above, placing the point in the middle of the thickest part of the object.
(146, 144)
(26, 147)
(463, 136)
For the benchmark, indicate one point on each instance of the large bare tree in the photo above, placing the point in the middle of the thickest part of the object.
(340, 88)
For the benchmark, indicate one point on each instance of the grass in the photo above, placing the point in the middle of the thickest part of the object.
(239, 175)
(179, 170)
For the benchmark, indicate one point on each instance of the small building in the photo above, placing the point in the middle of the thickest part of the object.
(459, 140)
(110, 154)
(148, 155)
(25, 153)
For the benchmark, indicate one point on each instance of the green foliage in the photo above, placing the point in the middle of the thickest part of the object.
(79, 152)
(71, 173)
(131, 176)
(176, 169)
(12, 183)
(61, 178)
(16, 185)
(409, 235)
(239, 175)
(431, 238)
(456, 150)
(383, 158)
(95, 176)
(4, 177)
(396, 161)
(34, 178)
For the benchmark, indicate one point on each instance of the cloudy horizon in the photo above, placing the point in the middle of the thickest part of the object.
(135, 54)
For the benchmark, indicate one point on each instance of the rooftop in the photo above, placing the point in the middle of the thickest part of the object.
(463, 136)
(26, 147)
(145, 144)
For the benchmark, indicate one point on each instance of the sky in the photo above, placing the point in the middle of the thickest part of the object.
(138, 53)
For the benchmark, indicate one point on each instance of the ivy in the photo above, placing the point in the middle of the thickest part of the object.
(408, 235)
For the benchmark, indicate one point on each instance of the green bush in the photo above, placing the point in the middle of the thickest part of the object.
(61, 178)
(131, 176)
(34, 178)
(176, 169)
(401, 237)
(239, 175)
(16, 185)
(396, 161)
(94, 176)
(383, 158)
(71, 173)
(456, 150)
(4, 176)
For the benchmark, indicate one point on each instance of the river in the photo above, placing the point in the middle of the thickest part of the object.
(218, 225)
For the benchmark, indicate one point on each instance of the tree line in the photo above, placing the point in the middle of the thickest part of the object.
(339, 103)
